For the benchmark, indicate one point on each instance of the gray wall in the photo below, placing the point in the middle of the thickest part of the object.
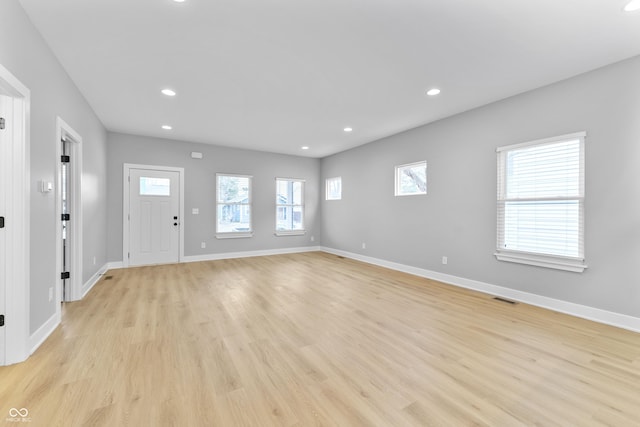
(200, 179)
(457, 217)
(26, 55)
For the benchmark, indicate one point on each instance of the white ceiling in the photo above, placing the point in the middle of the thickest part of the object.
(278, 75)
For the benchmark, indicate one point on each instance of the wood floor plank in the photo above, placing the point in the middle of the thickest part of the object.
(312, 339)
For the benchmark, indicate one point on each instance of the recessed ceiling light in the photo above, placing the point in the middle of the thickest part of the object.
(305, 147)
(433, 92)
(168, 92)
(166, 127)
(348, 129)
(179, 1)
(632, 6)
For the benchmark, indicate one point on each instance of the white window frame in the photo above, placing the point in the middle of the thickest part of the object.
(280, 205)
(567, 263)
(234, 234)
(327, 184)
(398, 178)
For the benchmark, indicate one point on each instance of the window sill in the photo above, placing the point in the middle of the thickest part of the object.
(290, 233)
(575, 265)
(410, 194)
(233, 235)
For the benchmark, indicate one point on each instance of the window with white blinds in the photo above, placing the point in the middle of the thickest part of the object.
(541, 202)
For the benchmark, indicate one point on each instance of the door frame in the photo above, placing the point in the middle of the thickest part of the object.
(17, 176)
(125, 207)
(63, 130)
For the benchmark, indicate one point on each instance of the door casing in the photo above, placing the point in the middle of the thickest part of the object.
(64, 131)
(17, 228)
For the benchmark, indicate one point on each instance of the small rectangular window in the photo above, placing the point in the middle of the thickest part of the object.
(333, 188)
(289, 206)
(411, 179)
(541, 203)
(155, 186)
(233, 206)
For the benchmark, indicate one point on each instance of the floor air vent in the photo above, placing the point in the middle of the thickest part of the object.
(108, 277)
(508, 301)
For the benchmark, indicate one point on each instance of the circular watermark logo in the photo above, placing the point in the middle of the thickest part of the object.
(18, 415)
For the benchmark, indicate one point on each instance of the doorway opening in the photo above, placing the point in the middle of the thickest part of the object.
(69, 214)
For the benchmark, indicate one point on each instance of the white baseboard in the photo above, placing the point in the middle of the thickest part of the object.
(591, 313)
(229, 255)
(93, 280)
(43, 332)
(115, 265)
(246, 254)
(38, 337)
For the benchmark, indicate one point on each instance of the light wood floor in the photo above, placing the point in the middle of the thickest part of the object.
(312, 339)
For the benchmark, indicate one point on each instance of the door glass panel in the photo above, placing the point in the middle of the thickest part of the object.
(155, 186)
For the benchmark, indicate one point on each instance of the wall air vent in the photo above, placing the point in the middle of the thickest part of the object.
(505, 300)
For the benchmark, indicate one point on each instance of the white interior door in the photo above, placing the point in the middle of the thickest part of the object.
(5, 141)
(154, 216)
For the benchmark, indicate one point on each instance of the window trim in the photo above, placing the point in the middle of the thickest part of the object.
(397, 180)
(302, 231)
(235, 234)
(576, 265)
(326, 188)
(559, 262)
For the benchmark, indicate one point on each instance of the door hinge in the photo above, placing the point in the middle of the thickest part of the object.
(65, 159)
(128, 254)
(65, 275)
(3, 123)
(66, 217)
(1, 222)
(1, 319)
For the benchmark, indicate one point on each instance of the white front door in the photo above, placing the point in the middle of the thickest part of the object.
(5, 142)
(154, 216)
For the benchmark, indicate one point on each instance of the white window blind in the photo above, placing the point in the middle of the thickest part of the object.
(541, 202)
